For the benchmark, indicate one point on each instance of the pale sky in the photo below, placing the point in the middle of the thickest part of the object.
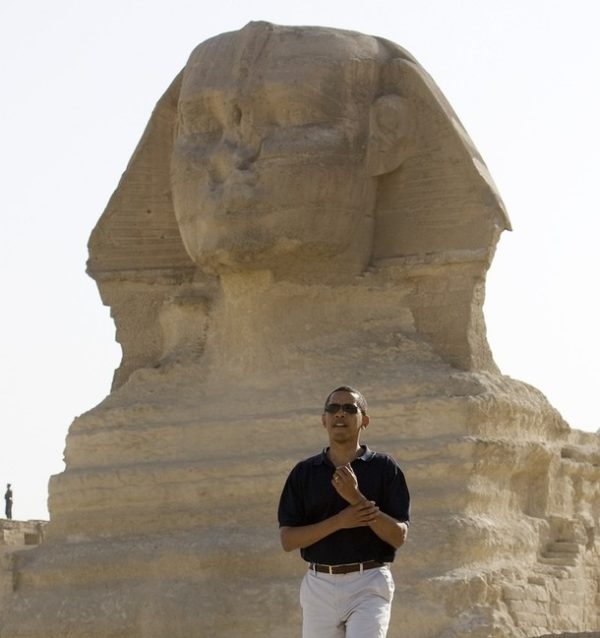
(80, 79)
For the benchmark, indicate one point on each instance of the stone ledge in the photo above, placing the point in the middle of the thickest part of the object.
(16, 534)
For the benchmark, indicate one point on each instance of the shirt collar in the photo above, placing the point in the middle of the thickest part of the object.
(366, 455)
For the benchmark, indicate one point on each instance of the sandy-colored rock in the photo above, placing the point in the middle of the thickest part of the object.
(15, 536)
(305, 209)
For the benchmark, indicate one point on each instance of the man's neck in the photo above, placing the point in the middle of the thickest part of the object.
(341, 455)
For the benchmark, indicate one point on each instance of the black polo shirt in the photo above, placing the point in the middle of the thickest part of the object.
(309, 497)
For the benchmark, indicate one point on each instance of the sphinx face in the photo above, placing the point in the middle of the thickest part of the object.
(268, 168)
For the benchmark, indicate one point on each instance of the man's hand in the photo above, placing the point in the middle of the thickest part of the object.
(360, 515)
(346, 484)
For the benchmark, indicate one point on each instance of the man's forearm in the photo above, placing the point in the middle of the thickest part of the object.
(389, 529)
(305, 535)
(358, 515)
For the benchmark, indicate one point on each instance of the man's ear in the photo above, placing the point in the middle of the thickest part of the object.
(390, 123)
(365, 421)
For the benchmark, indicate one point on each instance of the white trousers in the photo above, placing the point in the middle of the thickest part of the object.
(347, 605)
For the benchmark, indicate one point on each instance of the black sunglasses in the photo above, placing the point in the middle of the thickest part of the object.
(349, 408)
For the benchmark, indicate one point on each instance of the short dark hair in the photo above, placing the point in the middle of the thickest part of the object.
(360, 399)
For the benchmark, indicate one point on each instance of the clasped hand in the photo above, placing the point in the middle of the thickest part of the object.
(360, 512)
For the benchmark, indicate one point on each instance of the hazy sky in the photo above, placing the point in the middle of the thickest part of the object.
(79, 80)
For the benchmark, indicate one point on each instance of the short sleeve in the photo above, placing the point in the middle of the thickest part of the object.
(396, 501)
(291, 509)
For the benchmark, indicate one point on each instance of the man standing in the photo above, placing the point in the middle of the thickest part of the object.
(8, 499)
(347, 510)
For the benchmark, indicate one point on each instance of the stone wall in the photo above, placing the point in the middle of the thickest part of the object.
(16, 535)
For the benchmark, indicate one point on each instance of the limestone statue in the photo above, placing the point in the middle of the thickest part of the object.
(305, 210)
(309, 156)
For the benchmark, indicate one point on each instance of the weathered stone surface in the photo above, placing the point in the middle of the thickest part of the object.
(16, 536)
(303, 210)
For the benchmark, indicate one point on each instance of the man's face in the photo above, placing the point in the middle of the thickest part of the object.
(340, 425)
(268, 168)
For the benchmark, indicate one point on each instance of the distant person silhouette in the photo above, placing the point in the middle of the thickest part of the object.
(8, 499)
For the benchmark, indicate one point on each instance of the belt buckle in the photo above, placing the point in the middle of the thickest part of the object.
(330, 570)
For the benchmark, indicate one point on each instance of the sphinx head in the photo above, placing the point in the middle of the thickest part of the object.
(312, 153)
(303, 150)
(278, 145)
